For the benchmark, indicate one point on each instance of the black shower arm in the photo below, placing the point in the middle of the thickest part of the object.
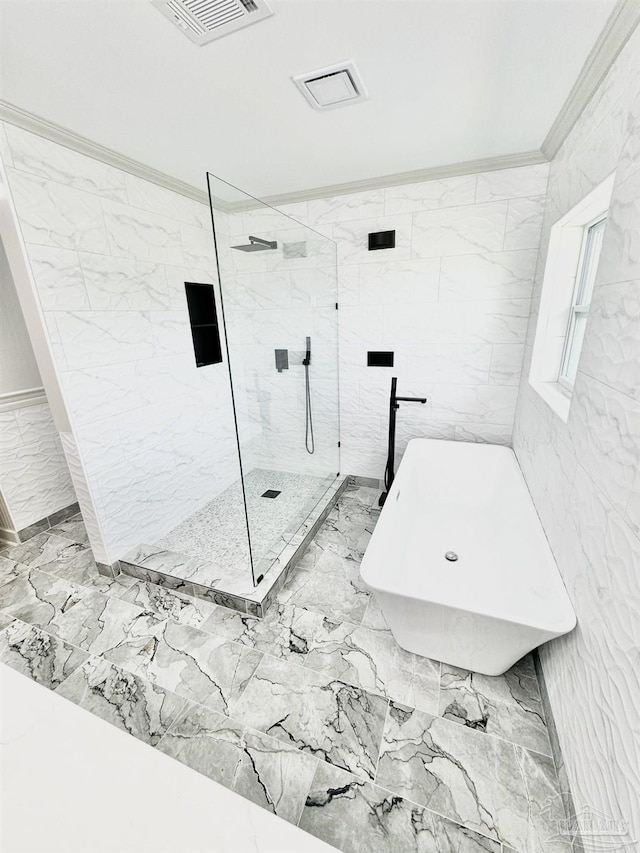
(412, 399)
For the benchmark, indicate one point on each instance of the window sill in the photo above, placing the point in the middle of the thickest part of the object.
(555, 396)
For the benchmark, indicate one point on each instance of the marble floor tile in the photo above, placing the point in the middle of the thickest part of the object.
(286, 631)
(374, 617)
(346, 523)
(10, 569)
(466, 776)
(168, 603)
(81, 569)
(5, 620)
(332, 558)
(374, 661)
(43, 549)
(359, 817)
(363, 495)
(258, 767)
(39, 598)
(140, 708)
(324, 593)
(336, 722)
(196, 665)
(545, 803)
(508, 706)
(105, 625)
(44, 658)
(73, 529)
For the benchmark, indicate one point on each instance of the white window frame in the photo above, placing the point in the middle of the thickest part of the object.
(579, 307)
(560, 287)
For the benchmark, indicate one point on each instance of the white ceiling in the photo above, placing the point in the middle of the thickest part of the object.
(449, 81)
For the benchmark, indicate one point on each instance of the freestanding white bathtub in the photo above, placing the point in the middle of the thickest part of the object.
(502, 597)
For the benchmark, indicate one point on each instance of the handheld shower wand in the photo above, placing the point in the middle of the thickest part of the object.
(309, 441)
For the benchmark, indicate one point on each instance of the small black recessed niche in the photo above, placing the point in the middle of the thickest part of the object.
(204, 323)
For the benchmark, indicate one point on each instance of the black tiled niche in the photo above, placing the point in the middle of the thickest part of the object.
(203, 318)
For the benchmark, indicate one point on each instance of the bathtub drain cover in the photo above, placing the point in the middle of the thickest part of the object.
(451, 556)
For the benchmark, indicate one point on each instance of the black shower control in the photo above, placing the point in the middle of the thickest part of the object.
(379, 359)
(204, 323)
(382, 240)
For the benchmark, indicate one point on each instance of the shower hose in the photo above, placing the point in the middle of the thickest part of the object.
(308, 429)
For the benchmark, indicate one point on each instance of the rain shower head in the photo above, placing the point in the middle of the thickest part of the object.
(257, 244)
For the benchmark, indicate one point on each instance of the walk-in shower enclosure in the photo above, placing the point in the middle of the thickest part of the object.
(269, 310)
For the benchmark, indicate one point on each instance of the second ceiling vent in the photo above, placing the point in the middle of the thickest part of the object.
(333, 86)
(203, 21)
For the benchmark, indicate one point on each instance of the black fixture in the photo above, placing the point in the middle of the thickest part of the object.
(394, 400)
(382, 240)
(257, 244)
(204, 323)
(282, 360)
(270, 493)
(379, 359)
(309, 440)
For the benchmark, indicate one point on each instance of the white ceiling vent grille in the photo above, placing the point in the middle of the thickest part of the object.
(203, 21)
(333, 86)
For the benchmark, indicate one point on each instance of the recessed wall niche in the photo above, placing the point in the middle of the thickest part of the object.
(203, 319)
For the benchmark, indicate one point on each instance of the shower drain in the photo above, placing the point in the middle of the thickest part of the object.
(451, 556)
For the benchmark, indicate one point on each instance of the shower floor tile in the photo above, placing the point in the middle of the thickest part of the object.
(217, 533)
(314, 712)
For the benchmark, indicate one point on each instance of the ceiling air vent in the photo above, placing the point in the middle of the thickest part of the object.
(203, 21)
(333, 86)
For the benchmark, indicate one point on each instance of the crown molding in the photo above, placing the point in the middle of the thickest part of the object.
(617, 31)
(56, 133)
(468, 167)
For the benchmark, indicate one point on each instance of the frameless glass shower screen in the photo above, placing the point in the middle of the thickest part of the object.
(278, 283)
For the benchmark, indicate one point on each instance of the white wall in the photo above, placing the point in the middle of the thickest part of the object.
(451, 300)
(152, 436)
(34, 478)
(584, 475)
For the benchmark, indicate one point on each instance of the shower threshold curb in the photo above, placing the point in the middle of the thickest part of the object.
(179, 572)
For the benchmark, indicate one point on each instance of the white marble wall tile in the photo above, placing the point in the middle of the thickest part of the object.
(492, 275)
(95, 393)
(524, 223)
(176, 278)
(500, 321)
(37, 156)
(114, 284)
(136, 233)
(58, 278)
(315, 286)
(198, 248)
(494, 404)
(430, 195)
(156, 199)
(620, 257)
(424, 323)
(404, 282)
(455, 364)
(97, 338)
(171, 332)
(512, 183)
(52, 214)
(459, 230)
(323, 211)
(506, 363)
(483, 433)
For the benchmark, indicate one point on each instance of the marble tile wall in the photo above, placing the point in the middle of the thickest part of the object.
(584, 476)
(34, 477)
(110, 254)
(452, 300)
(274, 300)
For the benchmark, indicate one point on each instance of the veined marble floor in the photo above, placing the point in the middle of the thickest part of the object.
(314, 712)
(218, 532)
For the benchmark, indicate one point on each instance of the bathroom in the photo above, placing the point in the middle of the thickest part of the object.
(320, 425)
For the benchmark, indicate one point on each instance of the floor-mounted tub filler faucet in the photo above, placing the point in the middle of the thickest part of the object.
(394, 401)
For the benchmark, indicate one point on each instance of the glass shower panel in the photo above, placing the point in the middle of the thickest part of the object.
(278, 283)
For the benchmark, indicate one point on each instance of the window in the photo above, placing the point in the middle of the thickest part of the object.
(571, 265)
(588, 265)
